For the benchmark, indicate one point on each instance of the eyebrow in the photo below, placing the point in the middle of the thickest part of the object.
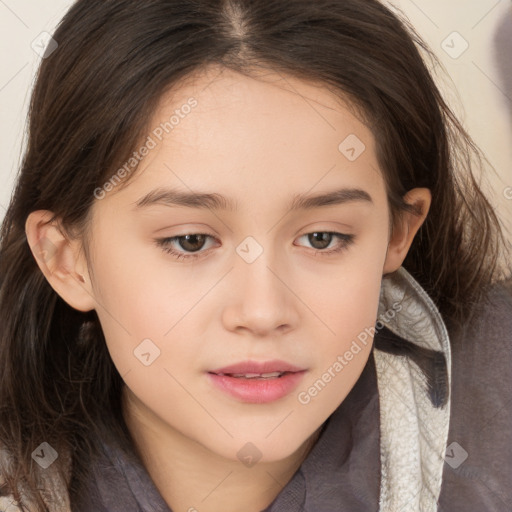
(215, 201)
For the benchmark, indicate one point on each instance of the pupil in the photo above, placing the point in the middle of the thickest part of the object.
(192, 241)
(324, 238)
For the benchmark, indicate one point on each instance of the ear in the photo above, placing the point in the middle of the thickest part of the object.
(405, 228)
(60, 260)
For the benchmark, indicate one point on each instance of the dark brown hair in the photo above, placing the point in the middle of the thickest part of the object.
(91, 105)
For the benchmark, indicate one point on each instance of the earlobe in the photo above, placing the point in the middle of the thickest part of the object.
(405, 228)
(59, 260)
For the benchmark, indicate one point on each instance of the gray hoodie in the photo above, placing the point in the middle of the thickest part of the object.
(427, 427)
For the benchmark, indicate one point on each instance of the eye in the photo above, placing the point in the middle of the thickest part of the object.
(194, 242)
(322, 240)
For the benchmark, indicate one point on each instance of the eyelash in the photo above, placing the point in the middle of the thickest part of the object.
(163, 243)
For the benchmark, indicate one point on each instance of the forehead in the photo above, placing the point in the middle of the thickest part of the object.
(260, 104)
(255, 137)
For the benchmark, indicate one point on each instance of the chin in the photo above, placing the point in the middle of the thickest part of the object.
(253, 450)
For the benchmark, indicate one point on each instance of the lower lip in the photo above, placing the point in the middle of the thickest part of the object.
(257, 391)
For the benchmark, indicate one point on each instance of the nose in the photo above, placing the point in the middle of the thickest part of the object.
(261, 300)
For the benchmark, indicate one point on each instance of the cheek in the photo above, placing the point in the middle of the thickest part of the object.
(347, 293)
(144, 316)
(341, 357)
(353, 314)
(133, 294)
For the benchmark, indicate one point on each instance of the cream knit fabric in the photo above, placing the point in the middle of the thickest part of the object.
(413, 432)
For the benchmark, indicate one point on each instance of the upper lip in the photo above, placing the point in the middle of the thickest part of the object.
(258, 367)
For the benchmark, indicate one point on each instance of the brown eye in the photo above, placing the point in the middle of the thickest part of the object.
(184, 246)
(321, 237)
(191, 243)
(321, 240)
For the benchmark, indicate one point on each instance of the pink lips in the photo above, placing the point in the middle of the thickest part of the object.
(253, 388)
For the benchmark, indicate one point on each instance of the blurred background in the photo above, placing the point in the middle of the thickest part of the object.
(472, 38)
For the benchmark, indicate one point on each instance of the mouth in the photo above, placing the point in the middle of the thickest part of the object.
(271, 375)
(255, 382)
(251, 369)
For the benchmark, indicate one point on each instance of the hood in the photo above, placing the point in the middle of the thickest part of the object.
(414, 415)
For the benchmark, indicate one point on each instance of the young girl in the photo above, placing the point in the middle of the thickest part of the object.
(247, 267)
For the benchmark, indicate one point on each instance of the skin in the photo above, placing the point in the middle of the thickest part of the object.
(257, 141)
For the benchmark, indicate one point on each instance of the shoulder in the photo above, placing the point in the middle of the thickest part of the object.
(482, 349)
(488, 330)
(481, 408)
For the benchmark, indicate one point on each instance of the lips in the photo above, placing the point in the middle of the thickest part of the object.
(270, 375)
(257, 382)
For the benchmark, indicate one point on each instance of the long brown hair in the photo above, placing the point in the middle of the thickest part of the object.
(91, 106)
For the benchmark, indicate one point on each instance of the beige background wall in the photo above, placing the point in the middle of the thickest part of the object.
(472, 38)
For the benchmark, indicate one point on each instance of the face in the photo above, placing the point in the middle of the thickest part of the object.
(265, 274)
